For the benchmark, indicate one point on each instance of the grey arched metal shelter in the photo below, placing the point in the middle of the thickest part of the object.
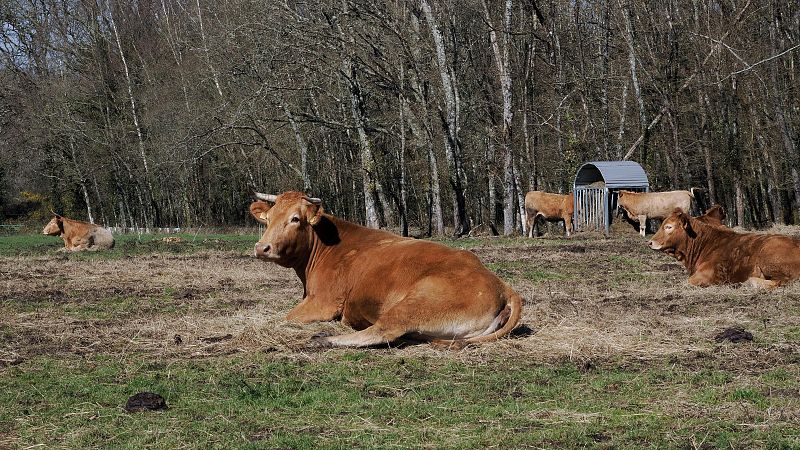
(595, 190)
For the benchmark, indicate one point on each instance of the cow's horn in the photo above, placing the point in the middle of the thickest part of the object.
(266, 197)
(313, 200)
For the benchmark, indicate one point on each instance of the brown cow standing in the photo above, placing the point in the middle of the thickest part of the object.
(550, 207)
(653, 205)
(79, 235)
(717, 255)
(383, 285)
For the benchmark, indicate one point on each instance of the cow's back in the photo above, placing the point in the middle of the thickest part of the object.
(547, 204)
(738, 257)
(368, 265)
(657, 205)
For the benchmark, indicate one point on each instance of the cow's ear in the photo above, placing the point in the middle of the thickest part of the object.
(682, 217)
(686, 223)
(259, 211)
(313, 209)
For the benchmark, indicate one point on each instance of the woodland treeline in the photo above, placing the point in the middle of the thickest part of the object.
(437, 115)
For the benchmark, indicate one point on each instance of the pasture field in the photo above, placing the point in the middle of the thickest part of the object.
(615, 350)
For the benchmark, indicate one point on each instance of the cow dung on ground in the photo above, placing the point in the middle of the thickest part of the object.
(145, 401)
(734, 334)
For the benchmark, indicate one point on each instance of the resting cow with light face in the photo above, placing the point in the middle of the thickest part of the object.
(79, 235)
(382, 285)
(715, 254)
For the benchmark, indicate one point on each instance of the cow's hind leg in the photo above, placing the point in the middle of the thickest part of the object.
(373, 335)
(763, 283)
(529, 219)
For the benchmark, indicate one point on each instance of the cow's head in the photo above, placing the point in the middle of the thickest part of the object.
(289, 219)
(55, 227)
(673, 234)
(622, 200)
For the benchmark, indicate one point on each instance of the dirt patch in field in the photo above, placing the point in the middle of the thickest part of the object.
(592, 302)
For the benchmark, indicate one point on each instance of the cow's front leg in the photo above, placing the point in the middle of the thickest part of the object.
(312, 309)
(374, 335)
(703, 277)
(642, 225)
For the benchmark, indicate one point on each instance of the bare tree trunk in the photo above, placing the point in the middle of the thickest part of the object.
(81, 179)
(558, 62)
(670, 158)
(134, 112)
(739, 202)
(205, 50)
(705, 144)
(437, 218)
(402, 159)
(520, 202)
(637, 91)
(301, 145)
(450, 122)
(604, 52)
(501, 58)
(369, 182)
(622, 113)
(490, 162)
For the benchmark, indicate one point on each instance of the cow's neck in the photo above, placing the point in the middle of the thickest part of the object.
(63, 226)
(697, 246)
(327, 235)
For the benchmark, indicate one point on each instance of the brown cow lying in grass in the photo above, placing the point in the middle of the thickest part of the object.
(653, 205)
(715, 254)
(550, 207)
(79, 235)
(383, 285)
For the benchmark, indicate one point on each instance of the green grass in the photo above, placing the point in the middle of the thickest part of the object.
(128, 245)
(373, 399)
(378, 398)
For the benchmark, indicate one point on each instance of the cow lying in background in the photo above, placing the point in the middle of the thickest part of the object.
(715, 254)
(653, 205)
(383, 285)
(550, 207)
(79, 235)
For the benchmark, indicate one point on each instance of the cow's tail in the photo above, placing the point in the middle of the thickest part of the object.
(505, 321)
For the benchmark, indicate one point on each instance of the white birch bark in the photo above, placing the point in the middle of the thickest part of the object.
(501, 58)
(450, 116)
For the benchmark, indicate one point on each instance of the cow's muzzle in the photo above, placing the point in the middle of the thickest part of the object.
(654, 245)
(264, 251)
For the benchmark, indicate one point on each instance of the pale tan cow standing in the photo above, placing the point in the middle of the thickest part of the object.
(653, 205)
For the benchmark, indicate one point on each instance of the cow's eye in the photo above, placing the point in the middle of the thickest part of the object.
(295, 219)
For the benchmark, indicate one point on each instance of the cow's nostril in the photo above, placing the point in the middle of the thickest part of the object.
(266, 248)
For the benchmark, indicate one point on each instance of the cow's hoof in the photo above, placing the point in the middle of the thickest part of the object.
(319, 341)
